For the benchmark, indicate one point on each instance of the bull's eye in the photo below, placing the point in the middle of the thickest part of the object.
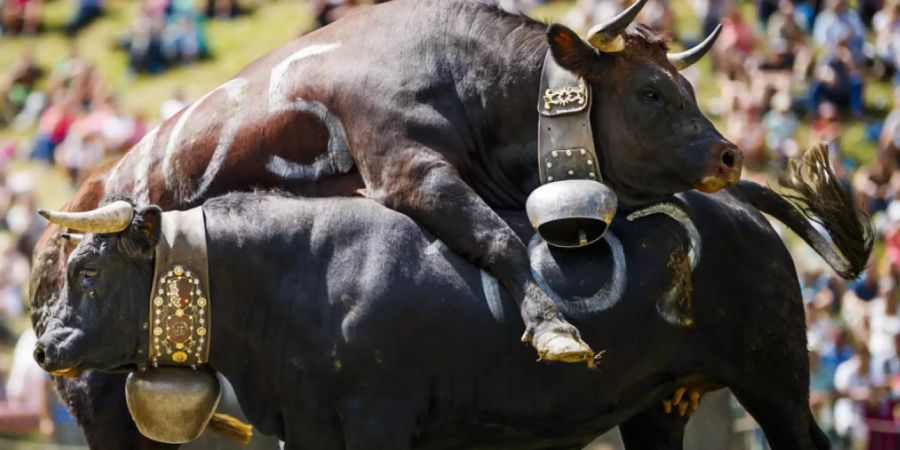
(650, 95)
(88, 278)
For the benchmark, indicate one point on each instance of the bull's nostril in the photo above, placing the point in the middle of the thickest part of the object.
(728, 159)
(40, 356)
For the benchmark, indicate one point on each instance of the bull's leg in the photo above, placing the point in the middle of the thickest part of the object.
(786, 420)
(432, 193)
(654, 428)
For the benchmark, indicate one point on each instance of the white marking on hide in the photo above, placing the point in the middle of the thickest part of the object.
(141, 192)
(436, 247)
(277, 89)
(112, 174)
(491, 289)
(677, 214)
(337, 159)
(235, 89)
(232, 88)
(603, 299)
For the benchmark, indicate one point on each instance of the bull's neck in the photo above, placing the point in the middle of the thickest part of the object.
(497, 59)
(240, 296)
(250, 314)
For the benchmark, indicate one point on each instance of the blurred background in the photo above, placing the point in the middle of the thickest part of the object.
(83, 80)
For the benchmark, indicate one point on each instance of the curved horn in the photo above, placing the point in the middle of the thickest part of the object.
(684, 59)
(607, 36)
(111, 218)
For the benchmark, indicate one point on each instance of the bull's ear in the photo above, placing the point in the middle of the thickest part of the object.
(570, 51)
(140, 238)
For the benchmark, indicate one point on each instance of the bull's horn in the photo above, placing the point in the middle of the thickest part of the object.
(111, 218)
(684, 59)
(607, 36)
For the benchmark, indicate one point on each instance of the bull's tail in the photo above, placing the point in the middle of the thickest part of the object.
(811, 192)
(231, 428)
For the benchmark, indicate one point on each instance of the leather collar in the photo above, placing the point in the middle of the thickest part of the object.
(565, 140)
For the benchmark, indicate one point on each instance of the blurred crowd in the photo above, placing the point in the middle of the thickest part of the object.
(784, 74)
(171, 32)
(78, 121)
(27, 402)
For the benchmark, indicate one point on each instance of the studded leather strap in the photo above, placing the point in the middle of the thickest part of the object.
(565, 141)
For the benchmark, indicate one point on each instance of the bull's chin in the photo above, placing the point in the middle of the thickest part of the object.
(712, 184)
(69, 372)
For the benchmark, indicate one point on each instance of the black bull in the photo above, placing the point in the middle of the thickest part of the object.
(344, 325)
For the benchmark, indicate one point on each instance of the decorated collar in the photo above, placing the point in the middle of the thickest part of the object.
(180, 306)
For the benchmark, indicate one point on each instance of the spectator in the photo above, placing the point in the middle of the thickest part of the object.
(182, 40)
(827, 126)
(781, 126)
(171, 106)
(884, 320)
(144, 44)
(886, 25)
(86, 11)
(839, 25)
(328, 11)
(872, 183)
(838, 81)
(856, 388)
(14, 272)
(787, 30)
(27, 392)
(20, 16)
(53, 127)
(19, 85)
(734, 50)
(82, 149)
(821, 390)
(222, 9)
(889, 140)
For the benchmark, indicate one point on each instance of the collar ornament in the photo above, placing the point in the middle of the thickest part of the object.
(179, 317)
(180, 309)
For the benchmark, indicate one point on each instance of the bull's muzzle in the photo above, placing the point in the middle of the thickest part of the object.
(723, 169)
(46, 357)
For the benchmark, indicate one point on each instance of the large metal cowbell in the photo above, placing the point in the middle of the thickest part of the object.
(572, 207)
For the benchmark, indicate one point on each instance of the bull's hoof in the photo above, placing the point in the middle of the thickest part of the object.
(684, 404)
(563, 347)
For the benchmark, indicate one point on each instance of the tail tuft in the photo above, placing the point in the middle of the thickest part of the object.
(811, 186)
(231, 428)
